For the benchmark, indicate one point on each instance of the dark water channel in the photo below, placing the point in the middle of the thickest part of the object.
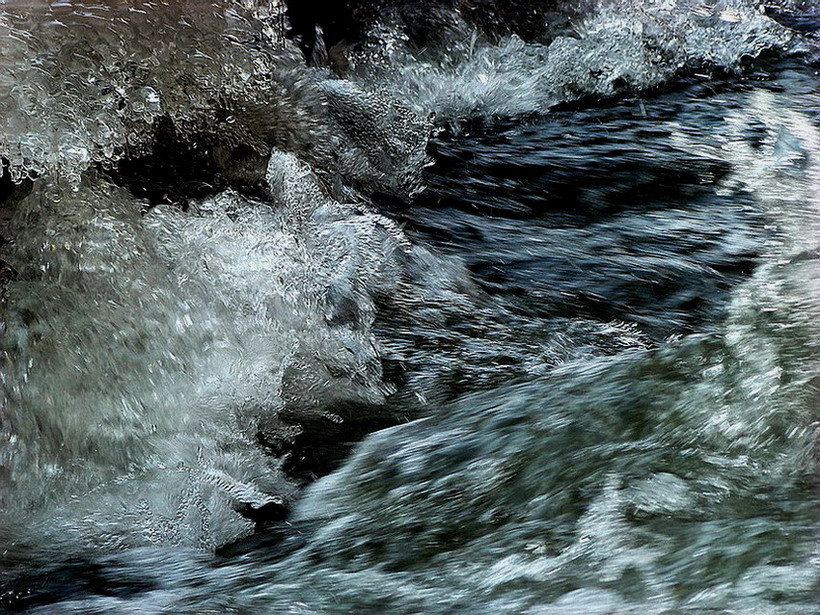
(598, 212)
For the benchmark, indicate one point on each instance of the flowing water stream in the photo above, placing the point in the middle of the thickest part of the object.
(486, 326)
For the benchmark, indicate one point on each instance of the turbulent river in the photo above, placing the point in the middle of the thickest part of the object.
(483, 321)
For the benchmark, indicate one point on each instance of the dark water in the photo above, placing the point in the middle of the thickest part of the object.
(586, 356)
(597, 213)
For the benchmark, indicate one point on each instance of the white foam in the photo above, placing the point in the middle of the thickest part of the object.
(627, 46)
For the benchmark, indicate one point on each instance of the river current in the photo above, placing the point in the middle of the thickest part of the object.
(485, 325)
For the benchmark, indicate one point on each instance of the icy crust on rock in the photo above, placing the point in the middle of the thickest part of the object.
(147, 373)
(623, 46)
(172, 337)
(88, 82)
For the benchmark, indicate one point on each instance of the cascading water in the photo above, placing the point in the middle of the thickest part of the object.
(565, 276)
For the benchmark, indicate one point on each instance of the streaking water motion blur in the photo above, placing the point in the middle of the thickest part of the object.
(569, 287)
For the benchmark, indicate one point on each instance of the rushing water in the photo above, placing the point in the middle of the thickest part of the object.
(586, 353)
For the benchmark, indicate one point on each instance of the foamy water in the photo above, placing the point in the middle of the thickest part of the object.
(607, 371)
